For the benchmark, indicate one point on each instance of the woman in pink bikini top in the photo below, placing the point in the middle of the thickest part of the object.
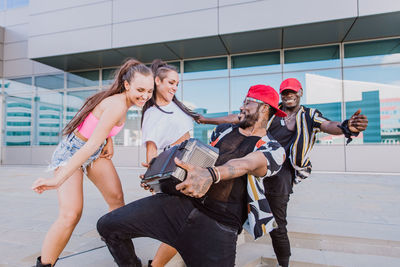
(87, 127)
(101, 117)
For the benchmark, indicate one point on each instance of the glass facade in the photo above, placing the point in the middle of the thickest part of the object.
(337, 79)
(9, 4)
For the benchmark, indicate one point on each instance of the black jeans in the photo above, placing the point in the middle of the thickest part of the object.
(279, 236)
(200, 240)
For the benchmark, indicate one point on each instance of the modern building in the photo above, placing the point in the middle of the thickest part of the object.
(346, 54)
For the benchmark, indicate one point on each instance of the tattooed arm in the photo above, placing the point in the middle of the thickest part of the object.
(254, 163)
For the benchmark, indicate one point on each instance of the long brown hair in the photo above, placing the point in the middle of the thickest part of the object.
(160, 70)
(125, 73)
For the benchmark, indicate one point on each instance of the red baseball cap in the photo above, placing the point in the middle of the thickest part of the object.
(265, 94)
(290, 84)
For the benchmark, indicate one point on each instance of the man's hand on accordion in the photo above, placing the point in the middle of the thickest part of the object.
(197, 182)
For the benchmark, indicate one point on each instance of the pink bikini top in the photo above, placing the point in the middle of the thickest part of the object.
(86, 128)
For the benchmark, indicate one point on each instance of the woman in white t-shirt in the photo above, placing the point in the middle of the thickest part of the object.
(165, 122)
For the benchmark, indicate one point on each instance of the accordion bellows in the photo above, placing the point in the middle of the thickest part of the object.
(163, 174)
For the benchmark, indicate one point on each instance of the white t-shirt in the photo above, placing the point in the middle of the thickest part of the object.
(165, 129)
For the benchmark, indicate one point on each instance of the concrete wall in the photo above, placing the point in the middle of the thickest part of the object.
(14, 44)
(356, 158)
(335, 158)
(88, 25)
(41, 155)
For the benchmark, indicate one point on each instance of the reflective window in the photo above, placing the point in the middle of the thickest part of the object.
(241, 85)
(108, 76)
(130, 134)
(83, 79)
(18, 112)
(322, 89)
(2, 6)
(17, 3)
(312, 58)
(176, 64)
(51, 82)
(209, 97)
(255, 63)
(48, 117)
(375, 52)
(376, 90)
(75, 100)
(205, 68)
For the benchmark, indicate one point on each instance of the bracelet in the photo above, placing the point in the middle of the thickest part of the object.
(219, 175)
(213, 176)
(346, 131)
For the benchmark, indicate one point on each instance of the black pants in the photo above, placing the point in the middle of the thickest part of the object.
(279, 236)
(200, 240)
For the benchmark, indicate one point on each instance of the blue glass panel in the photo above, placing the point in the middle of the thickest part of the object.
(17, 3)
(374, 52)
(312, 58)
(83, 79)
(376, 90)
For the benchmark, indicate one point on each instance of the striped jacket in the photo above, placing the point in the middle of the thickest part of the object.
(260, 219)
(308, 124)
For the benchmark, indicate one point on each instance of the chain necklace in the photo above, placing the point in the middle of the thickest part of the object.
(286, 120)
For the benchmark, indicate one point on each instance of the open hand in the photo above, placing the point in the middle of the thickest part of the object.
(199, 119)
(358, 122)
(197, 182)
(42, 184)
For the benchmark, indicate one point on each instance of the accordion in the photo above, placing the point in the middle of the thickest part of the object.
(163, 174)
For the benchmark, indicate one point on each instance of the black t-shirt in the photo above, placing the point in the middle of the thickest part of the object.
(282, 182)
(226, 202)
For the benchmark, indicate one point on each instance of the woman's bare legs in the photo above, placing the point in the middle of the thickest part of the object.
(70, 201)
(103, 174)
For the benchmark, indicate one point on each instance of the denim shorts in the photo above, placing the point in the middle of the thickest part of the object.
(67, 148)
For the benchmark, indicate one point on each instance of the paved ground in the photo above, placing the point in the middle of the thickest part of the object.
(364, 206)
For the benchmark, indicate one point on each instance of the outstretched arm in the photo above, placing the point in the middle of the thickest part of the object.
(232, 118)
(357, 123)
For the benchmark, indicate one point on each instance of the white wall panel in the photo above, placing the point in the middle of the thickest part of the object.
(2, 18)
(18, 67)
(17, 50)
(70, 19)
(373, 158)
(328, 158)
(17, 155)
(41, 155)
(16, 16)
(70, 42)
(371, 7)
(182, 26)
(16, 33)
(232, 2)
(39, 6)
(126, 10)
(278, 13)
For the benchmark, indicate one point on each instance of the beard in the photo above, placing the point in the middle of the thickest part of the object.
(249, 120)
